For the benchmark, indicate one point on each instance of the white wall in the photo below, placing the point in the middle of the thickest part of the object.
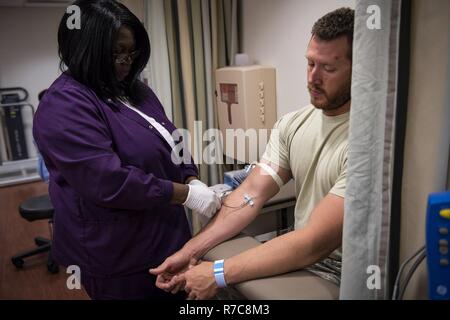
(277, 32)
(28, 51)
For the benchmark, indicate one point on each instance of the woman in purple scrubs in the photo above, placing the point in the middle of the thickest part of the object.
(107, 144)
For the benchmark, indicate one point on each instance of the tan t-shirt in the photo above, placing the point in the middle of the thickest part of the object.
(313, 147)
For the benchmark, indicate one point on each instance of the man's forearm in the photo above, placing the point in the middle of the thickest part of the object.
(286, 253)
(232, 218)
(226, 224)
(294, 250)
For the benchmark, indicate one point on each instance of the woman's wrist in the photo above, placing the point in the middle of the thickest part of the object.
(189, 179)
(180, 193)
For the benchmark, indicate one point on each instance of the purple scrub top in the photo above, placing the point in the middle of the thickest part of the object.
(111, 180)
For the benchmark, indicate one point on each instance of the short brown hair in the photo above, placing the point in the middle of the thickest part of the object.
(335, 24)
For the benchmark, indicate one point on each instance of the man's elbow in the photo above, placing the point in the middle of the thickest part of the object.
(317, 249)
(324, 250)
(260, 186)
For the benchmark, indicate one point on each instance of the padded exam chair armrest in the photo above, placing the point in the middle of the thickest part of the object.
(231, 248)
(297, 285)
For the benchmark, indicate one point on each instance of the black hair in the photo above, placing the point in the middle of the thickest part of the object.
(87, 53)
(335, 24)
(41, 94)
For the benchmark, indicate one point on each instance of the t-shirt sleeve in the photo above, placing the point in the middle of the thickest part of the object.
(277, 151)
(341, 182)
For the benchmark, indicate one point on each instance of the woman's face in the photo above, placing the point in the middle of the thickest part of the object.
(124, 46)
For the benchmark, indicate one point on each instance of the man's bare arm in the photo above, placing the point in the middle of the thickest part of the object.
(228, 222)
(294, 250)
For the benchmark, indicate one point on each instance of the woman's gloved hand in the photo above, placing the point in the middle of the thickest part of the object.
(201, 199)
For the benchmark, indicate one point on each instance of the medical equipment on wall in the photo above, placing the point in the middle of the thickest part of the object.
(246, 99)
(437, 239)
(435, 251)
(13, 145)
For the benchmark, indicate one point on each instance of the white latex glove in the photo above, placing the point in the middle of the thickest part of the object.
(197, 182)
(202, 200)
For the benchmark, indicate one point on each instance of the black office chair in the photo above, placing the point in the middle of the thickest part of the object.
(37, 208)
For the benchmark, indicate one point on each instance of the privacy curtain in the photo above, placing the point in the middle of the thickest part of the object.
(373, 136)
(158, 68)
(192, 39)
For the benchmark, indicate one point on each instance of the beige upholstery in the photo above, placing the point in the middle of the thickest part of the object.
(290, 286)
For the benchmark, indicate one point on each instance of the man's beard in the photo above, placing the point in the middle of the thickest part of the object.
(334, 102)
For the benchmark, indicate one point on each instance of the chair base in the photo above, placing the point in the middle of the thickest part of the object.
(44, 245)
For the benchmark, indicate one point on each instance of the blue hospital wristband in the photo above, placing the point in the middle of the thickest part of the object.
(218, 273)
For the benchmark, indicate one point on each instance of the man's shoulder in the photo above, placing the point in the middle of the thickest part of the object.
(300, 112)
(293, 119)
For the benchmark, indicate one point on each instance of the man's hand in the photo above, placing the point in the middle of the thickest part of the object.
(199, 282)
(166, 273)
(225, 225)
